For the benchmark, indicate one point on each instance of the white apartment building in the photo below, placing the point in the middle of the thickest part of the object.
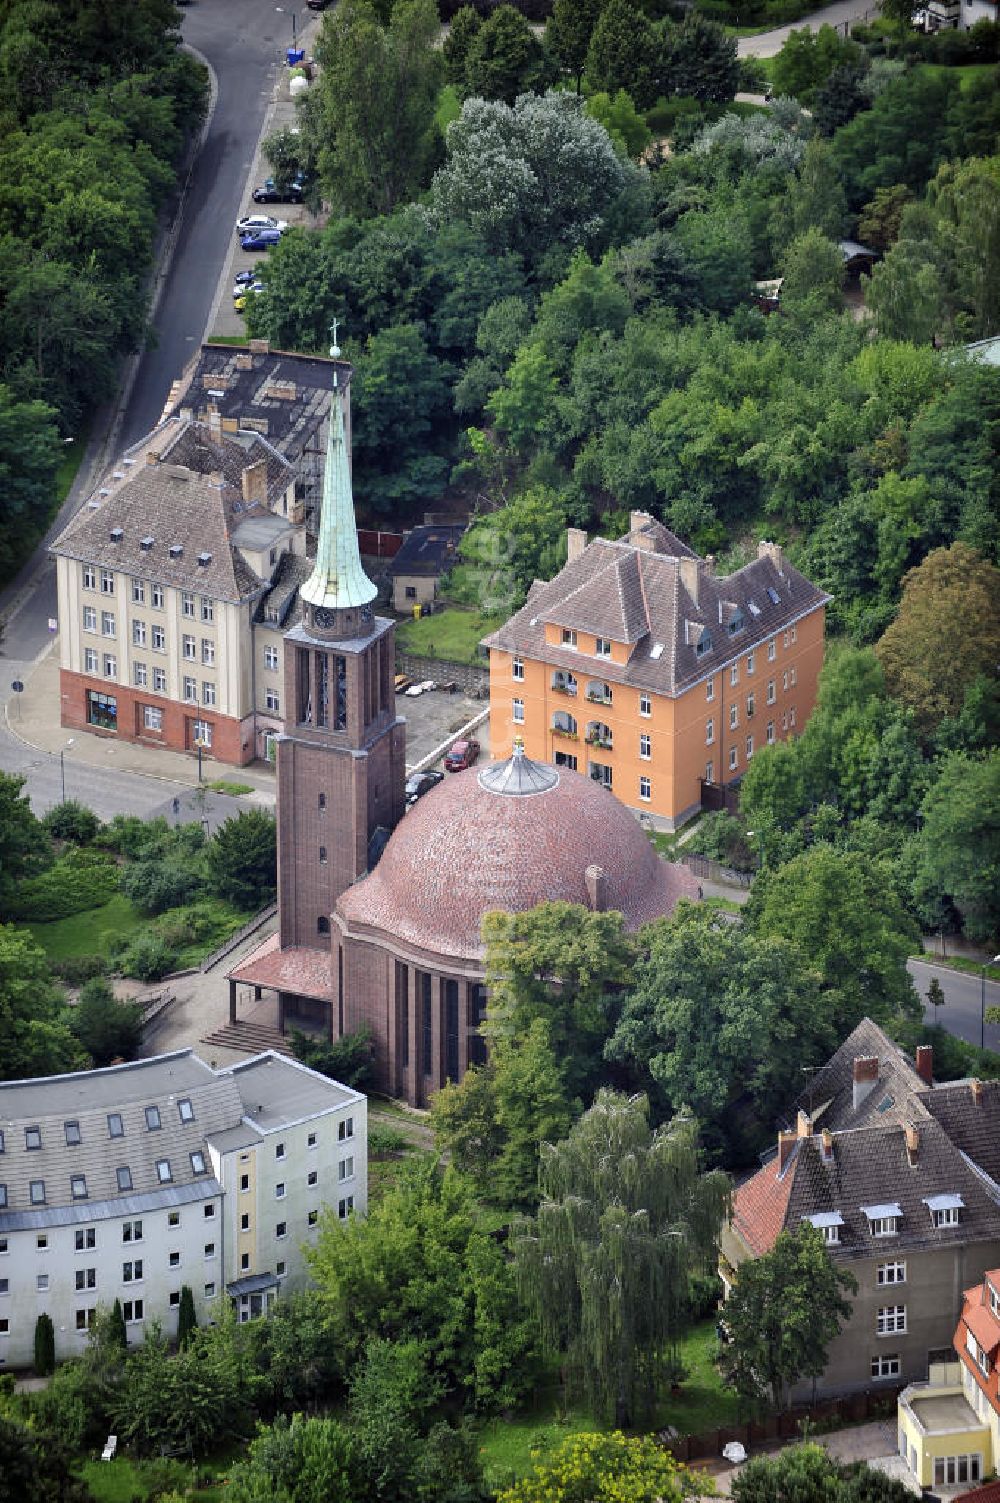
(130, 1182)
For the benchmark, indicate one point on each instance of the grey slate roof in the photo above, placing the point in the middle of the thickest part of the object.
(190, 498)
(427, 551)
(293, 570)
(829, 1097)
(871, 1167)
(284, 396)
(972, 1127)
(633, 592)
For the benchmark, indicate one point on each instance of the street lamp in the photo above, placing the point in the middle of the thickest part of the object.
(200, 744)
(281, 12)
(982, 998)
(62, 765)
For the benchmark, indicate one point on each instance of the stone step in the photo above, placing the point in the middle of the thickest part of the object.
(250, 1038)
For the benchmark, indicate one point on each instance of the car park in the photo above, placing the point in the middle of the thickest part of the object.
(420, 783)
(462, 755)
(260, 240)
(268, 192)
(251, 223)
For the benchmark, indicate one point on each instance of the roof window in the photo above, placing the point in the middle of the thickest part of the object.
(944, 1209)
(117, 533)
(116, 1128)
(204, 559)
(185, 1110)
(773, 595)
(123, 1174)
(176, 550)
(146, 544)
(737, 623)
(72, 1131)
(152, 1118)
(32, 1137)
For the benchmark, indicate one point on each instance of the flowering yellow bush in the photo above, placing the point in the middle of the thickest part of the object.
(607, 1469)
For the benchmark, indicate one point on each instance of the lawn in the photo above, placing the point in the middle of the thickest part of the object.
(125, 1481)
(701, 1404)
(451, 635)
(89, 933)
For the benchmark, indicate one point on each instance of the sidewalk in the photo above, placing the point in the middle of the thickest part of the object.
(33, 718)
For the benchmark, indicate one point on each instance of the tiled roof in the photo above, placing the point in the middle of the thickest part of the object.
(172, 519)
(297, 969)
(760, 1205)
(292, 571)
(988, 1494)
(284, 396)
(973, 1127)
(642, 591)
(829, 1097)
(870, 1166)
(980, 1319)
(465, 850)
(427, 551)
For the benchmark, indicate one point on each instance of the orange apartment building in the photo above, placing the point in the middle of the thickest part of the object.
(641, 667)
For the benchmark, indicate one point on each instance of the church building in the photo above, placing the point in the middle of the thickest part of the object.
(380, 915)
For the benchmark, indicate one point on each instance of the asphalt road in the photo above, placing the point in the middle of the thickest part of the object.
(960, 1013)
(840, 16)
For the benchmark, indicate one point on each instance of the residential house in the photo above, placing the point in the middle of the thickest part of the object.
(899, 1175)
(641, 667)
(427, 553)
(175, 582)
(130, 1182)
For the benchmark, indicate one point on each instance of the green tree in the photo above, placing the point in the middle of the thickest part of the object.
(718, 1014)
(815, 195)
(904, 292)
(935, 996)
(392, 1393)
(625, 1220)
(349, 1059)
(72, 821)
(839, 98)
(569, 31)
(35, 1038)
(411, 1270)
(29, 456)
(809, 1471)
(242, 859)
(45, 1345)
(567, 965)
(847, 925)
(109, 1030)
(921, 670)
(504, 56)
(813, 270)
(621, 52)
(284, 152)
(622, 121)
(25, 848)
(187, 1320)
(465, 27)
(36, 1466)
(785, 1309)
(700, 60)
(378, 91)
(402, 393)
(603, 1469)
(806, 60)
(959, 846)
(117, 1335)
(880, 219)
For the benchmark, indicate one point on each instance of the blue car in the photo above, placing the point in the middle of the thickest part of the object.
(260, 240)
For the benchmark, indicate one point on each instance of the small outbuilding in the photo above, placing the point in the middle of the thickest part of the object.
(428, 552)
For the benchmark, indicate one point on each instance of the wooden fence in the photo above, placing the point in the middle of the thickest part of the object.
(853, 1409)
(702, 866)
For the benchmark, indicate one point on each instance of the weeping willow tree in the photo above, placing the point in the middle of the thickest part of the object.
(624, 1221)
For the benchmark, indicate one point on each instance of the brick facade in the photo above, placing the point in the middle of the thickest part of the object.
(232, 742)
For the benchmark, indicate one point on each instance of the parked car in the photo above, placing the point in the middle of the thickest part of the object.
(317, 4)
(402, 682)
(244, 277)
(260, 240)
(422, 688)
(421, 783)
(242, 288)
(462, 754)
(251, 223)
(268, 192)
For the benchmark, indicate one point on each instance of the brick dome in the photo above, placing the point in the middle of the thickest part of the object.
(509, 836)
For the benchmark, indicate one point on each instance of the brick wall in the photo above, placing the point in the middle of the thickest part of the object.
(177, 733)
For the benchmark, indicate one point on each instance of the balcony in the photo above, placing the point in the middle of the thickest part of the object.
(599, 693)
(563, 683)
(599, 734)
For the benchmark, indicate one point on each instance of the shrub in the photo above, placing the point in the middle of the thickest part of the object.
(71, 821)
(107, 1029)
(350, 1059)
(76, 969)
(45, 1345)
(242, 860)
(80, 879)
(155, 884)
(383, 1141)
(147, 957)
(187, 1320)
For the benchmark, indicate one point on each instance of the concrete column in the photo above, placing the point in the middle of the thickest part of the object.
(464, 1003)
(413, 1090)
(232, 1001)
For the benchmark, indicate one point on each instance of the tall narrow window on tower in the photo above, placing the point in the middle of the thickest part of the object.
(322, 689)
(303, 692)
(340, 668)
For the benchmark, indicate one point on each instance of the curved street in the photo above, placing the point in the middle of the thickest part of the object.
(840, 16)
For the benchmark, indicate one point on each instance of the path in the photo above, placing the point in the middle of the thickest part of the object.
(840, 16)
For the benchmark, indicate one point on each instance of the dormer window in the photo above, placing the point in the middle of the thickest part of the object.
(736, 623)
(994, 1298)
(702, 640)
(883, 1220)
(828, 1223)
(569, 637)
(944, 1209)
(602, 647)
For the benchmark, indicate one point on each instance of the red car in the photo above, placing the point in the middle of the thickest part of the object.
(462, 754)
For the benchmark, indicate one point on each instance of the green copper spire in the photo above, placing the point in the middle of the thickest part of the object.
(338, 581)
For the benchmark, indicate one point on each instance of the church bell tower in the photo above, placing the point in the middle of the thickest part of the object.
(341, 762)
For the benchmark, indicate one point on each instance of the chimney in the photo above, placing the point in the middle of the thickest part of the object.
(786, 1143)
(215, 422)
(912, 1145)
(576, 541)
(255, 482)
(597, 888)
(865, 1077)
(774, 552)
(691, 571)
(152, 457)
(925, 1063)
(977, 1092)
(216, 480)
(709, 563)
(826, 1146)
(803, 1125)
(637, 520)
